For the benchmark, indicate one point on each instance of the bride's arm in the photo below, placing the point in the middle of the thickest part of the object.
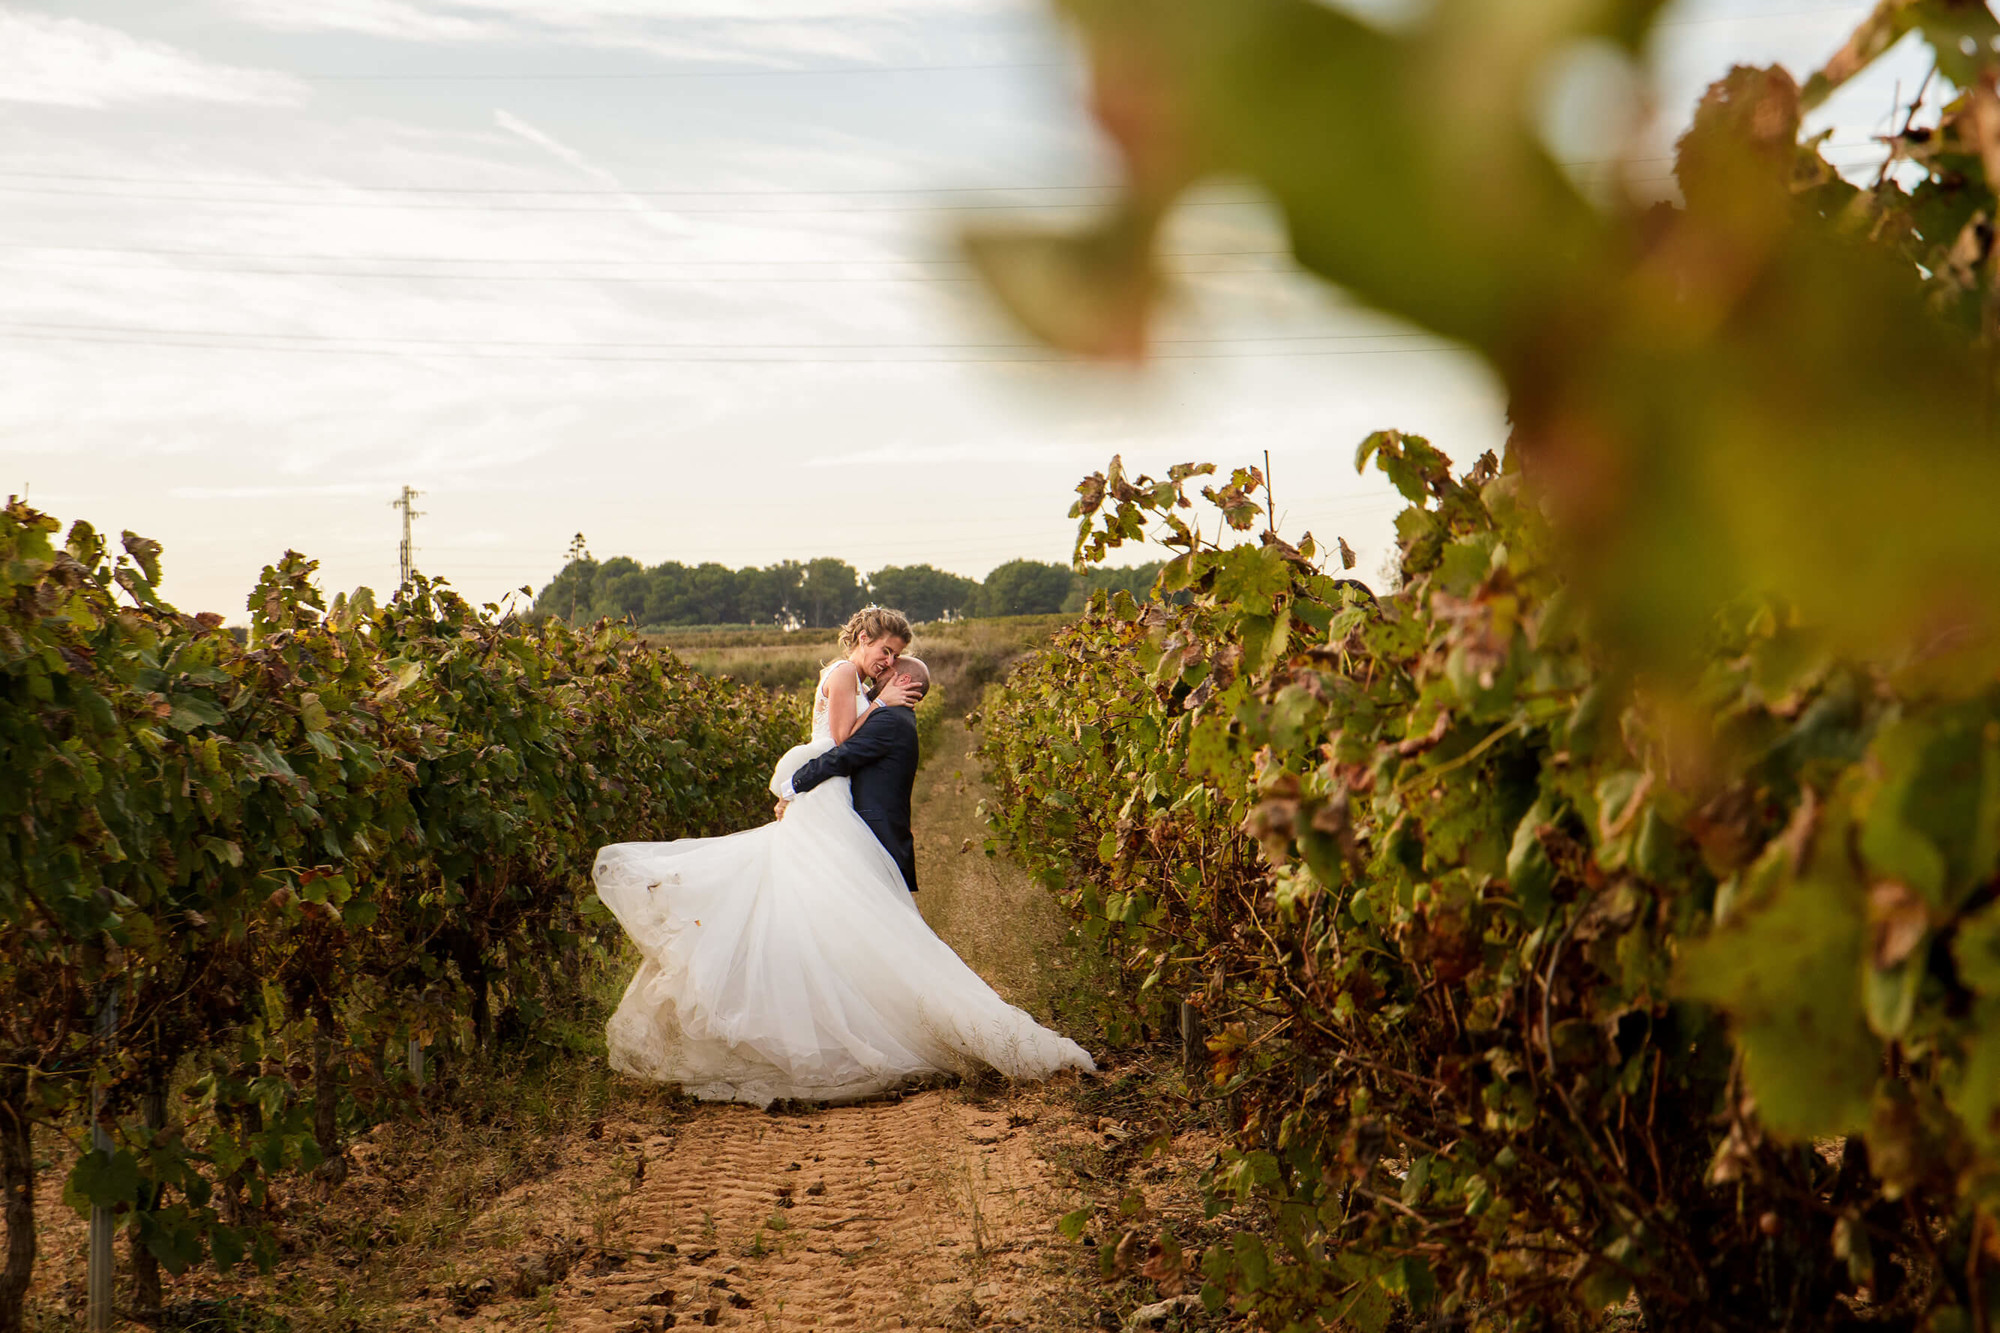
(841, 714)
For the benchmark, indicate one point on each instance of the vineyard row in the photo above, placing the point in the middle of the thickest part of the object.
(251, 869)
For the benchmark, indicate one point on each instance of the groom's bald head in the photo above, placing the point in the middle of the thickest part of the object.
(914, 668)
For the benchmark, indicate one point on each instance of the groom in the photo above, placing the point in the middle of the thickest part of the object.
(881, 759)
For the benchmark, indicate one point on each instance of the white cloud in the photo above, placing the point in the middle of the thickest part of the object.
(969, 451)
(232, 454)
(471, 19)
(273, 492)
(374, 18)
(71, 62)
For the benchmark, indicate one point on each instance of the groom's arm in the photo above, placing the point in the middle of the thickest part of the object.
(863, 748)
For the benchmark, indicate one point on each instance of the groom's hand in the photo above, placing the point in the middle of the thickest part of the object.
(778, 810)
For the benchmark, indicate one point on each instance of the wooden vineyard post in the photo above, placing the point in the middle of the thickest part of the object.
(102, 1267)
(414, 1052)
(1194, 1042)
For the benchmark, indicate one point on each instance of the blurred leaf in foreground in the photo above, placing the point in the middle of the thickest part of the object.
(1773, 387)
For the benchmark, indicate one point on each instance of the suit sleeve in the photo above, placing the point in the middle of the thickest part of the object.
(863, 748)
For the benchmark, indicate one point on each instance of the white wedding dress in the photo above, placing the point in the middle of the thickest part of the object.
(789, 961)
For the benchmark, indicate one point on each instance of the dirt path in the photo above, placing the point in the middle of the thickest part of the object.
(1007, 930)
(932, 1212)
(928, 1213)
(600, 1204)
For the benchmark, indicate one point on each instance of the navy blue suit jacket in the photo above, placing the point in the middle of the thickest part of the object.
(880, 760)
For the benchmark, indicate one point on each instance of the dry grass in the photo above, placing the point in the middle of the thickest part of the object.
(791, 663)
(1008, 931)
(964, 655)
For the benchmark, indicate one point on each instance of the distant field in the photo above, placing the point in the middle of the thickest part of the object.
(687, 638)
(964, 655)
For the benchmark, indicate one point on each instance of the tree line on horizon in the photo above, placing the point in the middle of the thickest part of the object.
(817, 594)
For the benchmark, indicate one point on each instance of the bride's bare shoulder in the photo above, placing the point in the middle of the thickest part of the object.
(841, 671)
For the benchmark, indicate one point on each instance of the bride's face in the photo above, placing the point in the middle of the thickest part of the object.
(875, 656)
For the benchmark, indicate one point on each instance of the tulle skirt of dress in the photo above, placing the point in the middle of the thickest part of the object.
(789, 961)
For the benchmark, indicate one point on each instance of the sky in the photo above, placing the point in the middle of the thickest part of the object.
(674, 274)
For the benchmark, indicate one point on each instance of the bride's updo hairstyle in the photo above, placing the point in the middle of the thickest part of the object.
(873, 622)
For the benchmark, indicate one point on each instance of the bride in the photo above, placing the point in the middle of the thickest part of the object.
(789, 961)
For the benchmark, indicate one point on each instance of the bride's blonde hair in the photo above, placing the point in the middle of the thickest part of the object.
(873, 622)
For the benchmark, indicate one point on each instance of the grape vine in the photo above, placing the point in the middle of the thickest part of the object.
(1609, 912)
(280, 860)
(1535, 988)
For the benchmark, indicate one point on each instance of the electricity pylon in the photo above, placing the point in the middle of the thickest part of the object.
(407, 552)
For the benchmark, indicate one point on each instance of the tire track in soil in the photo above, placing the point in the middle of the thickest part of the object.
(888, 1215)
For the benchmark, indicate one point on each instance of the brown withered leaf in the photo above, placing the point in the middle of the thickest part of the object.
(1897, 922)
(1288, 552)
(1091, 491)
(1125, 1257)
(1413, 746)
(1968, 252)
(1271, 822)
(1280, 783)
(1727, 828)
(1361, 1147)
(1166, 1264)
(1611, 911)
(1480, 633)
(1447, 944)
(1982, 125)
(1335, 817)
(1802, 830)
(1876, 34)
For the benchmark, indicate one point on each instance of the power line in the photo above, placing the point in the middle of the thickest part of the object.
(180, 181)
(594, 76)
(137, 196)
(687, 279)
(622, 263)
(593, 210)
(1754, 18)
(1050, 358)
(531, 76)
(684, 279)
(1236, 341)
(1099, 187)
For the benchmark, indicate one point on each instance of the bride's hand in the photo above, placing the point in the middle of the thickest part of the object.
(900, 692)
